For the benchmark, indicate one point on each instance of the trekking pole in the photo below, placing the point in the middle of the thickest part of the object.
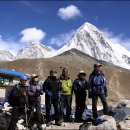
(26, 117)
(51, 111)
(26, 110)
(31, 114)
(72, 114)
(44, 127)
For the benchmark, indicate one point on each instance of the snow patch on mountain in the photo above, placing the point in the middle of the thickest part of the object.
(35, 50)
(6, 55)
(90, 40)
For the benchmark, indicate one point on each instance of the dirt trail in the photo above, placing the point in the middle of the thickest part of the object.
(39, 67)
(66, 126)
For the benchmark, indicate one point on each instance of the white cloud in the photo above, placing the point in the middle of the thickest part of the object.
(118, 39)
(28, 35)
(69, 12)
(61, 39)
(32, 35)
(10, 45)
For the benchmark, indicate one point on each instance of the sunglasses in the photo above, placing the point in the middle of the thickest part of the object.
(23, 80)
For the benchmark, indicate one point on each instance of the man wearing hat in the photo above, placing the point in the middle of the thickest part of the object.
(66, 93)
(98, 89)
(34, 92)
(80, 86)
(20, 99)
(51, 88)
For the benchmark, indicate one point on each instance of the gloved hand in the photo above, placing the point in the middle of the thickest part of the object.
(38, 93)
(48, 93)
(24, 93)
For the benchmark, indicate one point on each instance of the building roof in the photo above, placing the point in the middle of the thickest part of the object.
(11, 73)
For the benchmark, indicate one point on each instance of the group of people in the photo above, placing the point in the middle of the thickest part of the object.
(58, 92)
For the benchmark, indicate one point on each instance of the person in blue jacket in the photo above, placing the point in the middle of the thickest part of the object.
(20, 100)
(98, 89)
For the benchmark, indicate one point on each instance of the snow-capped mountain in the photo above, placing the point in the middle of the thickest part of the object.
(90, 40)
(6, 56)
(34, 50)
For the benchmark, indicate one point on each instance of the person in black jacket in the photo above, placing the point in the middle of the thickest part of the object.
(51, 87)
(98, 89)
(80, 87)
(21, 102)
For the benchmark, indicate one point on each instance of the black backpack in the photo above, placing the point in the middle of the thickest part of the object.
(10, 95)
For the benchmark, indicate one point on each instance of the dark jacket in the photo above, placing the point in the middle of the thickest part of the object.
(80, 86)
(34, 91)
(97, 83)
(53, 85)
(20, 99)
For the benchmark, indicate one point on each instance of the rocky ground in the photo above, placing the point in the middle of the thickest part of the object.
(120, 120)
(117, 78)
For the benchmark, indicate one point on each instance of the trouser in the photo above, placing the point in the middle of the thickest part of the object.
(16, 113)
(35, 105)
(94, 104)
(66, 103)
(57, 108)
(80, 105)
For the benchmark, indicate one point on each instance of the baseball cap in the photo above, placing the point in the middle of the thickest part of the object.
(97, 65)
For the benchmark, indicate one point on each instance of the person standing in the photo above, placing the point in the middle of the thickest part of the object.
(34, 92)
(80, 87)
(66, 93)
(19, 100)
(98, 89)
(51, 88)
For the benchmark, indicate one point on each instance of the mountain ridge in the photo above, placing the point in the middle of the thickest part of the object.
(6, 55)
(88, 39)
(34, 50)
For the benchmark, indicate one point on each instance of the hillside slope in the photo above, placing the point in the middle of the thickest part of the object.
(117, 78)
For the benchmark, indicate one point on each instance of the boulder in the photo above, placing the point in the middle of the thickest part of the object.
(125, 125)
(124, 103)
(109, 124)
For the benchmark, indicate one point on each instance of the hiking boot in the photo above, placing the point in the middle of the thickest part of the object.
(48, 124)
(95, 116)
(67, 119)
(58, 123)
(39, 127)
(78, 120)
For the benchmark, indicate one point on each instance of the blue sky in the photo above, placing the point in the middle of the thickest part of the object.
(53, 23)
